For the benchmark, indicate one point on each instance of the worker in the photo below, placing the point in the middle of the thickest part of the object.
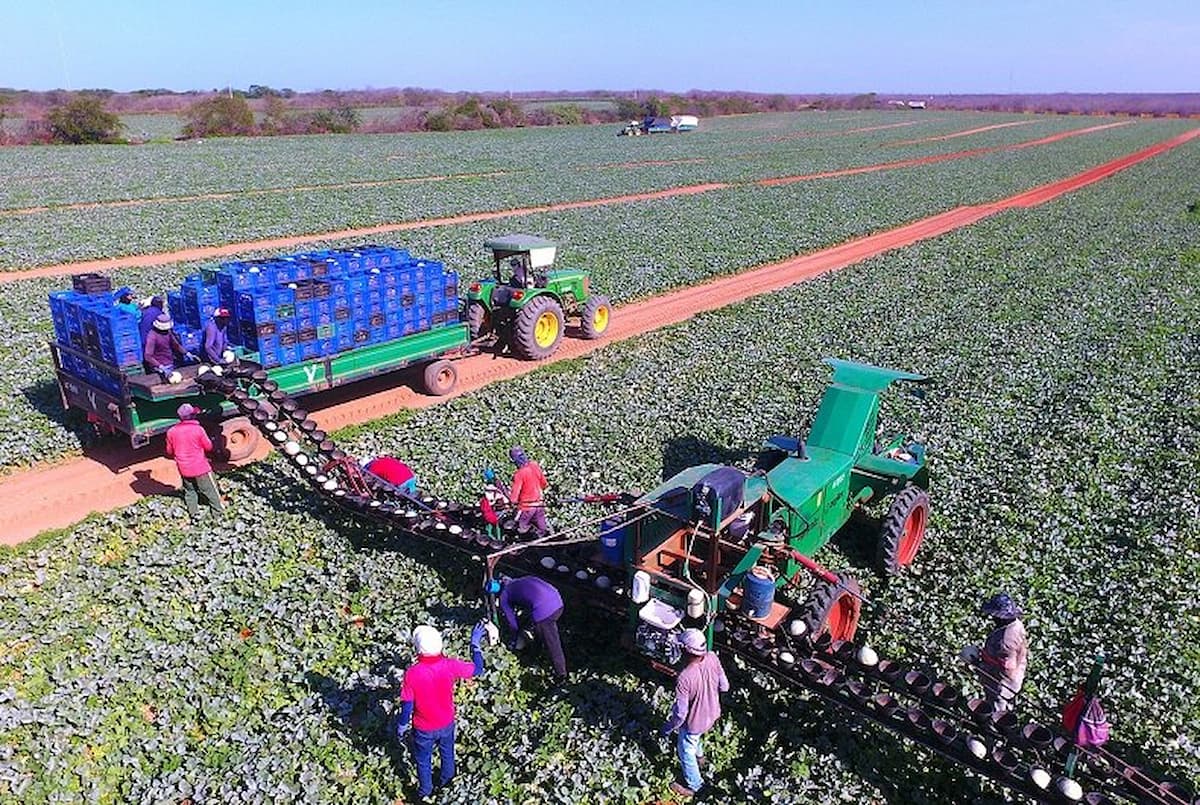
(541, 603)
(697, 707)
(427, 702)
(394, 472)
(162, 350)
(528, 483)
(214, 348)
(150, 313)
(495, 500)
(520, 274)
(126, 303)
(1001, 663)
(189, 445)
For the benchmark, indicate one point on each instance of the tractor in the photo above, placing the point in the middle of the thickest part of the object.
(528, 310)
(720, 540)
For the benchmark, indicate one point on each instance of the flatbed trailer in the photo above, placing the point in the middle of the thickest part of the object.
(146, 406)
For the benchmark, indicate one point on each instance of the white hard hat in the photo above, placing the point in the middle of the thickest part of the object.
(427, 641)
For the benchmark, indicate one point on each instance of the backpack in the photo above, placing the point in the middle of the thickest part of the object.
(1084, 720)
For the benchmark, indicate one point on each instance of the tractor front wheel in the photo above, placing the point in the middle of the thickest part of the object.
(538, 328)
(834, 608)
(597, 312)
(903, 530)
(479, 321)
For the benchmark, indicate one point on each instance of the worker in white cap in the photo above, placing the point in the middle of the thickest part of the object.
(697, 707)
(427, 702)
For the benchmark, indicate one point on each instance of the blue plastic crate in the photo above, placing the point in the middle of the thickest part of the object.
(189, 338)
(285, 326)
(289, 355)
(310, 350)
(378, 334)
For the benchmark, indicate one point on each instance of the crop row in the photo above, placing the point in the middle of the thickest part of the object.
(49, 176)
(67, 235)
(147, 659)
(632, 251)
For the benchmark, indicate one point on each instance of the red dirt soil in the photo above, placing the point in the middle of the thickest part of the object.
(292, 241)
(60, 495)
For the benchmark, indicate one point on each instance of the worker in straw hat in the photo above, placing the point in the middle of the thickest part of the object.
(189, 445)
(697, 707)
(1001, 663)
(427, 702)
(163, 351)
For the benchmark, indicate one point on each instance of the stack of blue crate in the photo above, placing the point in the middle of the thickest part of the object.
(91, 324)
(314, 304)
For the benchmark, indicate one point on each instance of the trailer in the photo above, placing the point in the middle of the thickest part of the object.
(143, 406)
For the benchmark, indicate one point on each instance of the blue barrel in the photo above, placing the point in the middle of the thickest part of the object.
(758, 592)
(612, 542)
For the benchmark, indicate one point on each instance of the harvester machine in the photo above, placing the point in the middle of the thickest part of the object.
(717, 539)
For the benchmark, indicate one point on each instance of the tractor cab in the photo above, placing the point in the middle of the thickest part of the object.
(524, 304)
(528, 259)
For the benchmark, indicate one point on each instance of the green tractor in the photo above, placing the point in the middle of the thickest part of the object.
(528, 310)
(712, 537)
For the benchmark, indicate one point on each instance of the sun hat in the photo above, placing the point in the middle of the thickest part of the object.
(1001, 606)
(163, 323)
(694, 642)
(427, 641)
(187, 411)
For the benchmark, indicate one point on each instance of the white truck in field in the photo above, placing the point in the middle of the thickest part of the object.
(660, 125)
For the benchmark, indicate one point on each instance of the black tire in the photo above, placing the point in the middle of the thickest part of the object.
(833, 605)
(525, 340)
(596, 316)
(902, 530)
(440, 378)
(239, 438)
(479, 321)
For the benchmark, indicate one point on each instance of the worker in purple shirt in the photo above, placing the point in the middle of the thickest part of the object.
(697, 707)
(216, 339)
(544, 606)
(149, 313)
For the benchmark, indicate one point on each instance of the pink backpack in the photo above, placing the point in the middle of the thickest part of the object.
(1084, 720)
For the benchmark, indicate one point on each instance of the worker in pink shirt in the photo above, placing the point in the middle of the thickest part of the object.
(528, 484)
(189, 445)
(427, 703)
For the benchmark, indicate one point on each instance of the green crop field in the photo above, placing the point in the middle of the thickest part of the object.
(146, 660)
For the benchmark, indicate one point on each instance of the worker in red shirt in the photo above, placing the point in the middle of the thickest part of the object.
(526, 492)
(189, 445)
(427, 703)
(395, 472)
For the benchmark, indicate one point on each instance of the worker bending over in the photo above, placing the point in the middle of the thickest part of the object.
(543, 606)
(395, 472)
(1001, 663)
(427, 703)
(528, 483)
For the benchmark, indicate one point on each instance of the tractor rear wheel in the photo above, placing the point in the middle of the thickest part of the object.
(903, 530)
(597, 312)
(538, 328)
(479, 321)
(834, 608)
(238, 438)
(440, 378)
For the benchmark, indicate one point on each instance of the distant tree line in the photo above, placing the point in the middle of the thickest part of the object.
(94, 115)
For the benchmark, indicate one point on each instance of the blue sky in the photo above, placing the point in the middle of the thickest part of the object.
(803, 47)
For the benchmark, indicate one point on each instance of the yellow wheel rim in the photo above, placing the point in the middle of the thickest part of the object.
(545, 332)
(600, 319)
